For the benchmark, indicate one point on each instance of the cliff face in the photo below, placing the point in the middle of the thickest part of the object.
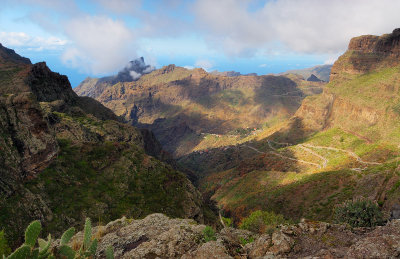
(363, 94)
(64, 157)
(368, 53)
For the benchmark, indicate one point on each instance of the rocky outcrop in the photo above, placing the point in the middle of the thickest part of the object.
(25, 130)
(48, 86)
(368, 53)
(158, 236)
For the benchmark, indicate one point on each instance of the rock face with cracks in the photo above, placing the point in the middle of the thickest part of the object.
(158, 236)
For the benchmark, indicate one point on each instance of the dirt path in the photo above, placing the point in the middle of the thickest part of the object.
(351, 153)
(324, 159)
(306, 147)
(274, 152)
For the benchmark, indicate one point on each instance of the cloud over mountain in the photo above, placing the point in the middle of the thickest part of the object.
(306, 26)
(100, 44)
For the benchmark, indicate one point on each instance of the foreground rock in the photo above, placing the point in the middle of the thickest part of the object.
(158, 236)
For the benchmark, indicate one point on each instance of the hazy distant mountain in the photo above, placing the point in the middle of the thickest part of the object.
(321, 71)
(225, 73)
(131, 72)
(231, 73)
(313, 78)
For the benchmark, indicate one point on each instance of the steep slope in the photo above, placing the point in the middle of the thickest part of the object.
(363, 96)
(182, 107)
(341, 144)
(65, 157)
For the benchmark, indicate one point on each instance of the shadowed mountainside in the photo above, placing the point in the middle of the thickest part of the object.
(64, 158)
(182, 106)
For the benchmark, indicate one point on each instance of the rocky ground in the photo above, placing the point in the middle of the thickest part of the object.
(158, 236)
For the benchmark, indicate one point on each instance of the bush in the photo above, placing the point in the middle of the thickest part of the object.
(245, 241)
(359, 213)
(4, 248)
(227, 221)
(262, 221)
(209, 234)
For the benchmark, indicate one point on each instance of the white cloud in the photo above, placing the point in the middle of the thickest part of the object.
(262, 65)
(306, 26)
(205, 64)
(331, 59)
(189, 67)
(121, 6)
(100, 44)
(135, 75)
(21, 39)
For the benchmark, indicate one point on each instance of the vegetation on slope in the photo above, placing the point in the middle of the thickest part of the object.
(102, 180)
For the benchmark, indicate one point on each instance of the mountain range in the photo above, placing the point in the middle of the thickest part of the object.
(247, 130)
(184, 107)
(125, 146)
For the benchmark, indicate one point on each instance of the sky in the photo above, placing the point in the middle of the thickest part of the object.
(81, 38)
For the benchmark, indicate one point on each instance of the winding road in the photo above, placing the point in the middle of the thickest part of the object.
(352, 154)
(307, 148)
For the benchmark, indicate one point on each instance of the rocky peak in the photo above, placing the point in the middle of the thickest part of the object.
(131, 72)
(9, 55)
(167, 69)
(49, 86)
(367, 53)
(387, 44)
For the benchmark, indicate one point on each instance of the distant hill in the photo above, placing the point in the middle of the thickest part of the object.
(321, 71)
(313, 78)
(182, 106)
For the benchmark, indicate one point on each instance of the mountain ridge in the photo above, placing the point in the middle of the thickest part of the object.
(64, 158)
(199, 103)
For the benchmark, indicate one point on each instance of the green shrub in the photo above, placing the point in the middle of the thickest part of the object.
(245, 241)
(262, 221)
(209, 234)
(4, 248)
(227, 221)
(359, 213)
